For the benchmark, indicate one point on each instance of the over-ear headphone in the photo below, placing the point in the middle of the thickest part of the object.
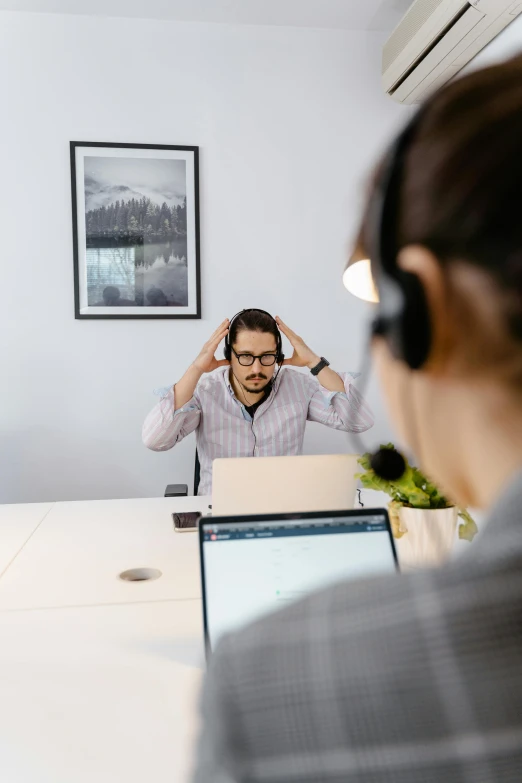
(279, 346)
(403, 316)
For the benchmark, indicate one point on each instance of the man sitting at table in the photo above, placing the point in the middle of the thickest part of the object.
(242, 406)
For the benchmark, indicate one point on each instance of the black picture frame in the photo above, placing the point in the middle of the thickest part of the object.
(181, 284)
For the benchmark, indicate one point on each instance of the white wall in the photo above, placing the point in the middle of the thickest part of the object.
(288, 122)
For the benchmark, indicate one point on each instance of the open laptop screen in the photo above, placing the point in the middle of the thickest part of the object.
(251, 566)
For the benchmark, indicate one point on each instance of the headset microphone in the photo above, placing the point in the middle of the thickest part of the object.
(388, 464)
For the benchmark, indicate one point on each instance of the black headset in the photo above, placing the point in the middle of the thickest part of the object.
(403, 316)
(279, 348)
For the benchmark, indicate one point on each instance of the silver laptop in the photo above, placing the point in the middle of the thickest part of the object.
(290, 484)
(254, 565)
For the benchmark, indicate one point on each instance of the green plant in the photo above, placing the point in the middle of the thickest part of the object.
(415, 490)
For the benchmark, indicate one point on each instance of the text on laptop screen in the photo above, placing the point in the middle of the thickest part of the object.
(252, 568)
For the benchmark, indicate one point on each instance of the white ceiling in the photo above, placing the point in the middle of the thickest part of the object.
(337, 14)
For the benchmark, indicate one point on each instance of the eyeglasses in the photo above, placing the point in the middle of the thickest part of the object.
(247, 359)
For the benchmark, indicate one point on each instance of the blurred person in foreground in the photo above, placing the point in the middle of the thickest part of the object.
(416, 678)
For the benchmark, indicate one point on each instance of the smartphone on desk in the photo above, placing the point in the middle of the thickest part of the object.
(186, 522)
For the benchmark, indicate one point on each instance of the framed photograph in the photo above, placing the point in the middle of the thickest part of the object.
(135, 230)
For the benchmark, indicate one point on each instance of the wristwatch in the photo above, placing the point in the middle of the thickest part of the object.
(318, 367)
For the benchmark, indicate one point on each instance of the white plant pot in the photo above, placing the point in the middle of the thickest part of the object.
(429, 536)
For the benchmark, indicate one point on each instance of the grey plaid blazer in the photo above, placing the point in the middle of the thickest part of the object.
(405, 679)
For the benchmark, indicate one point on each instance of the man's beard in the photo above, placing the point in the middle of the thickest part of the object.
(259, 389)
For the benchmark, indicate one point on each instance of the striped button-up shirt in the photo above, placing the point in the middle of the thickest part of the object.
(226, 429)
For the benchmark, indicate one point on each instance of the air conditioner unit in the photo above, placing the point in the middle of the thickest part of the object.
(436, 39)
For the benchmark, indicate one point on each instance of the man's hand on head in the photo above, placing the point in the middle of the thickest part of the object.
(206, 361)
(303, 356)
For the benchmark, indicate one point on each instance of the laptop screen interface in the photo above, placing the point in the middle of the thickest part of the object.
(253, 568)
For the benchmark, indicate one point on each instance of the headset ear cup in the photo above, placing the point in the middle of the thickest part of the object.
(280, 354)
(410, 333)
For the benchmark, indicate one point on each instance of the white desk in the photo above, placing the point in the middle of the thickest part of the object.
(17, 524)
(98, 693)
(77, 553)
(98, 676)
(101, 694)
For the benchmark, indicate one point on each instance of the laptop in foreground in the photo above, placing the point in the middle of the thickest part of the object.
(254, 565)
